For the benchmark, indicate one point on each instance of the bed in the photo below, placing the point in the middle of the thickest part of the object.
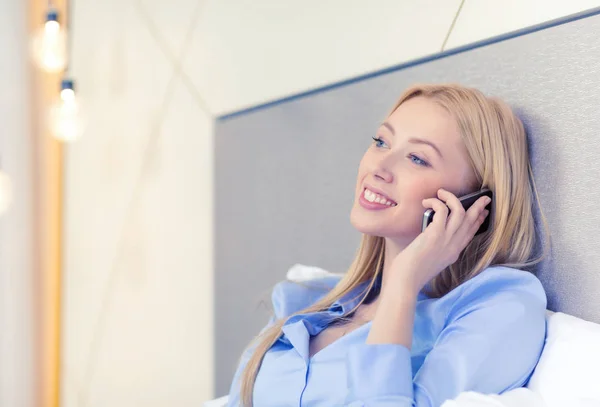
(309, 145)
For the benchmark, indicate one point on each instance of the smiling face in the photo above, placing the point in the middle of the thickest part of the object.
(418, 150)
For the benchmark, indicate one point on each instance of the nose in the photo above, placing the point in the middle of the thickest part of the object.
(382, 169)
(385, 176)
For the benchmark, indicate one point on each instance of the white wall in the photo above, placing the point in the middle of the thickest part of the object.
(481, 19)
(17, 328)
(138, 304)
(138, 278)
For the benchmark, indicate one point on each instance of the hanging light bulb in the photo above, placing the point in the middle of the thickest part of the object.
(5, 192)
(49, 45)
(66, 119)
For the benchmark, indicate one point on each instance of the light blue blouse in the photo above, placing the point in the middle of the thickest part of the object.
(485, 335)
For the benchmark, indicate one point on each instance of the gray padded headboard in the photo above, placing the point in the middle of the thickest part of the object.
(285, 172)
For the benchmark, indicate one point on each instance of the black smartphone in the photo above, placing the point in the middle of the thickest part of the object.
(466, 201)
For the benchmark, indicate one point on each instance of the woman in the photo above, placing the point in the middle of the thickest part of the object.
(418, 317)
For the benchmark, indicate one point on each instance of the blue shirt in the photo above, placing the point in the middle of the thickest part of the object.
(485, 335)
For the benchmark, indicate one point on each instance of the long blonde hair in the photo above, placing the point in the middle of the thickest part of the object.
(496, 143)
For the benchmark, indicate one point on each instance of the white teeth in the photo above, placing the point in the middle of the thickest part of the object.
(373, 197)
(369, 196)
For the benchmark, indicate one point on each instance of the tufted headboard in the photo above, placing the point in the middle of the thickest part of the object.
(285, 171)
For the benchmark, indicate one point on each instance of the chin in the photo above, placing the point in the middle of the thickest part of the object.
(370, 224)
(366, 224)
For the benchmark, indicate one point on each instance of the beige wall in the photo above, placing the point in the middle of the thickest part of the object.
(138, 250)
(18, 379)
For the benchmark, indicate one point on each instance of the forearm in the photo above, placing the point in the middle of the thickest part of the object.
(379, 371)
(394, 319)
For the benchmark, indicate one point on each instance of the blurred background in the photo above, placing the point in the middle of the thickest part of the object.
(106, 168)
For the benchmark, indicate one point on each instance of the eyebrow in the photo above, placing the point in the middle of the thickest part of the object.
(389, 127)
(429, 143)
(414, 140)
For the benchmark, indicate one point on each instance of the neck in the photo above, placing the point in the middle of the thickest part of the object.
(392, 249)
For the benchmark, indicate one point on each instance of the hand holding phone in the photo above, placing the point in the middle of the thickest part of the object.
(467, 201)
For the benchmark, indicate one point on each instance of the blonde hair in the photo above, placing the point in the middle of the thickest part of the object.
(496, 143)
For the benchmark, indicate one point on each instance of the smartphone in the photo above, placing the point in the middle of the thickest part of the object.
(466, 201)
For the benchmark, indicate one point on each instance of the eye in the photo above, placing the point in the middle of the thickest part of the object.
(379, 142)
(415, 159)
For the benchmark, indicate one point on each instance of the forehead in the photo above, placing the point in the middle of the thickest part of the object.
(424, 118)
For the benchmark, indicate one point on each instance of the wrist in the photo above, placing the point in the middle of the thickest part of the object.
(394, 319)
(398, 299)
(407, 285)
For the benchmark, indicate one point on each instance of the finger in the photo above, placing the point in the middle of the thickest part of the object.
(470, 234)
(457, 212)
(481, 204)
(471, 220)
(474, 211)
(441, 213)
(480, 219)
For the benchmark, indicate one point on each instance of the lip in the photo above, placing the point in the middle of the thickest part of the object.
(374, 206)
(377, 191)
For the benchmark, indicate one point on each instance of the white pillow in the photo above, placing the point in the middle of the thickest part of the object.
(301, 273)
(220, 402)
(568, 372)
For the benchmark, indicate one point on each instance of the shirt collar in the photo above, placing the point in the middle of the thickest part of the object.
(345, 304)
(339, 308)
(351, 299)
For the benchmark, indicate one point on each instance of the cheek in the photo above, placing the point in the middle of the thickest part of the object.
(362, 169)
(413, 192)
(364, 161)
(418, 189)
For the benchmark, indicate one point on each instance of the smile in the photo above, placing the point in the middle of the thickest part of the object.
(372, 200)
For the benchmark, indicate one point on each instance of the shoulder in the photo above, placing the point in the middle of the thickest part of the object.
(494, 330)
(289, 296)
(515, 293)
(503, 280)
